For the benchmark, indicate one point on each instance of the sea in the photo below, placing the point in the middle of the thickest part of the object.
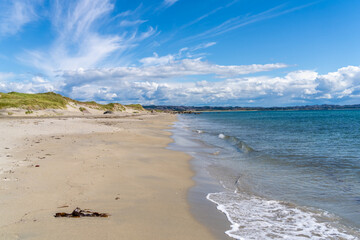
(277, 174)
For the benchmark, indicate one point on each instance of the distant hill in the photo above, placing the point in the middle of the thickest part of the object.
(209, 108)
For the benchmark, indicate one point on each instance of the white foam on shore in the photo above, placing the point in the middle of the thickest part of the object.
(222, 136)
(257, 218)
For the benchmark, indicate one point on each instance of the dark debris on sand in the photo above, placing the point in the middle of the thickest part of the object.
(81, 213)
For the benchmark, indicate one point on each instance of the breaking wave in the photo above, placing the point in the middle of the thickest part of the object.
(241, 145)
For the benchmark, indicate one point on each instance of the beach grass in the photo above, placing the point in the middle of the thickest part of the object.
(136, 107)
(32, 101)
(98, 106)
(51, 100)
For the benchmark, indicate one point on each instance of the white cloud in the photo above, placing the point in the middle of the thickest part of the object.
(167, 84)
(10, 82)
(156, 60)
(38, 79)
(344, 79)
(155, 85)
(162, 69)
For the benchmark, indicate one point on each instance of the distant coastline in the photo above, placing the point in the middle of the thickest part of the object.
(233, 109)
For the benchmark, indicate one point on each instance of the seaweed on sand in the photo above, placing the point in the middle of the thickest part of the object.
(81, 213)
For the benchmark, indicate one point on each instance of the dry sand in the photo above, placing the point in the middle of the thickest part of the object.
(118, 166)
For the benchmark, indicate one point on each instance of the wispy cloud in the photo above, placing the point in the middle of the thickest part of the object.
(209, 14)
(242, 21)
(204, 45)
(79, 43)
(78, 17)
(172, 36)
(14, 15)
(164, 5)
(169, 3)
(127, 23)
(128, 13)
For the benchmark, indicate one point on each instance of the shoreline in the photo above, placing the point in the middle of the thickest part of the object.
(119, 166)
(203, 210)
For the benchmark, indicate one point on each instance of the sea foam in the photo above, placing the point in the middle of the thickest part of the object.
(253, 217)
(222, 136)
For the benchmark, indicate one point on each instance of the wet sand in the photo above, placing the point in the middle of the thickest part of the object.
(118, 166)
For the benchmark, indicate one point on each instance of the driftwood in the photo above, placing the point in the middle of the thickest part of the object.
(80, 213)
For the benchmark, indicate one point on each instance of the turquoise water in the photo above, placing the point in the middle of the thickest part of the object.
(286, 175)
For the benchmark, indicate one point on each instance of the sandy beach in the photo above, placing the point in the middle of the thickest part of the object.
(118, 166)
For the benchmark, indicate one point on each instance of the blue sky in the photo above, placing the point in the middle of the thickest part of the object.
(182, 52)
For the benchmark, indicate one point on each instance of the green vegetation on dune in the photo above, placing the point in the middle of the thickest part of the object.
(32, 101)
(114, 107)
(136, 107)
(98, 106)
(52, 100)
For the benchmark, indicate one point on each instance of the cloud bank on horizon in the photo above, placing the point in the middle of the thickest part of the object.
(173, 52)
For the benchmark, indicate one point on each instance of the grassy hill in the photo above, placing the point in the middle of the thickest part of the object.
(50, 100)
